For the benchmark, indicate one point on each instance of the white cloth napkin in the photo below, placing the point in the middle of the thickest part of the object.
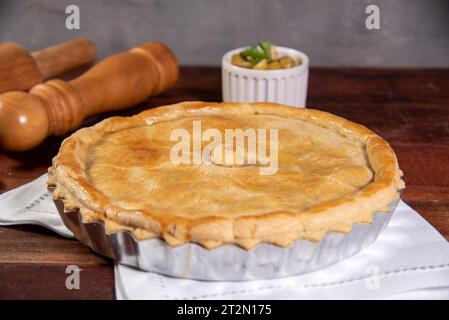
(409, 260)
(31, 204)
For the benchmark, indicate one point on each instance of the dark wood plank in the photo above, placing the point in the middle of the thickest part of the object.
(398, 122)
(41, 281)
(37, 245)
(408, 107)
(426, 171)
(33, 261)
(367, 85)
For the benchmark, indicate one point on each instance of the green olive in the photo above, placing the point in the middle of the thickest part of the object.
(287, 62)
(239, 61)
(262, 65)
(273, 65)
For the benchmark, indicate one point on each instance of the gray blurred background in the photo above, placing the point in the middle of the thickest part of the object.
(332, 33)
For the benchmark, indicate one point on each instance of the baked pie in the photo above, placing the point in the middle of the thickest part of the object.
(331, 174)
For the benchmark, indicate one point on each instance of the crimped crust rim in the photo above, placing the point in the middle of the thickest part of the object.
(279, 228)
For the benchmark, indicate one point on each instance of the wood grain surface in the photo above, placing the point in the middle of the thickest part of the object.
(408, 107)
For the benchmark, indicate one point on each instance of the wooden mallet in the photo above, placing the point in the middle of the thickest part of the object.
(57, 107)
(20, 70)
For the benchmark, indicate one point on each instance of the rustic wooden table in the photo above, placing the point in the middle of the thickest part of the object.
(408, 107)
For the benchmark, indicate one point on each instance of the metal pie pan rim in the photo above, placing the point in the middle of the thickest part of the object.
(100, 225)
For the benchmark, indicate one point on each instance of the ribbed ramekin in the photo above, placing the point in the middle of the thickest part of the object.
(286, 86)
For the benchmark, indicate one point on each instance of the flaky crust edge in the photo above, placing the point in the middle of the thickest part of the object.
(67, 175)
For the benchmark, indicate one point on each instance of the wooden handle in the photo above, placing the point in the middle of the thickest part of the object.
(58, 59)
(56, 107)
(20, 70)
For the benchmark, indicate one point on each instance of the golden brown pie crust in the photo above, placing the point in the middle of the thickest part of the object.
(332, 174)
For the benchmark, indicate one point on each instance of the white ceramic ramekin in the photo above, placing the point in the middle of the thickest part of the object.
(286, 86)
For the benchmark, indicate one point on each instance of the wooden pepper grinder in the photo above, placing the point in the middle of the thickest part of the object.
(57, 107)
(20, 70)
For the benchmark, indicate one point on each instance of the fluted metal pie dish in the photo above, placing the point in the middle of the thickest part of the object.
(332, 188)
(227, 262)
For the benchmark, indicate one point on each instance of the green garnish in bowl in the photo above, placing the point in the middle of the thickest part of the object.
(264, 56)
